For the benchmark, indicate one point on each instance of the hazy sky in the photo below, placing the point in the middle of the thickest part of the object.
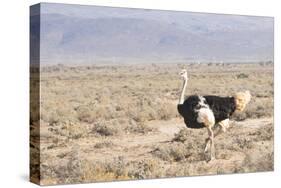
(90, 11)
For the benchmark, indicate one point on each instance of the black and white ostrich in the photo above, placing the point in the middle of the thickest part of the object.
(206, 111)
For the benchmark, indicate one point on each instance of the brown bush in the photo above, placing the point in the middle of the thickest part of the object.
(105, 129)
(138, 128)
(175, 152)
(181, 136)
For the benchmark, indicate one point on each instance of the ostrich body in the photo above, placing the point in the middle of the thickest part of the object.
(206, 111)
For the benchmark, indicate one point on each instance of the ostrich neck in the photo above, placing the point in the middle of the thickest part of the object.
(181, 100)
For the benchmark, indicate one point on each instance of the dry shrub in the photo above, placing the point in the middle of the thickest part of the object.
(104, 171)
(105, 128)
(166, 111)
(68, 171)
(148, 114)
(182, 135)
(242, 76)
(119, 169)
(90, 114)
(239, 116)
(244, 143)
(143, 169)
(50, 117)
(84, 114)
(181, 169)
(175, 152)
(104, 144)
(140, 127)
(184, 146)
(76, 131)
(152, 109)
(141, 112)
(57, 114)
(265, 162)
(264, 134)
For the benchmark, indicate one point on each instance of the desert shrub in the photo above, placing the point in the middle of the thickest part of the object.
(149, 109)
(106, 112)
(150, 113)
(244, 143)
(67, 172)
(51, 117)
(242, 75)
(84, 114)
(142, 169)
(47, 174)
(142, 111)
(118, 168)
(239, 116)
(264, 134)
(104, 96)
(166, 111)
(103, 144)
(54, 114)
(184, 146)
(90, 114)
(76, 130)
(265, 162)
(262, 108)
(105, 128)
(107, 170)
(181, 136)
(181, 169)
(138, 127)
(175, 152)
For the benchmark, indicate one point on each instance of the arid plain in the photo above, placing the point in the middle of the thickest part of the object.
(120, 122)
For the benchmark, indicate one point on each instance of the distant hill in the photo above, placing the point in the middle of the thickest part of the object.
(67, 38)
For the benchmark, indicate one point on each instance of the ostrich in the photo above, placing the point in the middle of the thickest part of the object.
(206, 111)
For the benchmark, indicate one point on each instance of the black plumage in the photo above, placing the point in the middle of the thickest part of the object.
(222, 108)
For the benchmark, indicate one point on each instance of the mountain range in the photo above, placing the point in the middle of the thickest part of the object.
(125, 34)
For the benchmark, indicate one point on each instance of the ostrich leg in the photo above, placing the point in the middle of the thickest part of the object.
(210, 143)
(223, 125)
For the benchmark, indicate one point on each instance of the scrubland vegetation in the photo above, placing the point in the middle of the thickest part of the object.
(119, 122)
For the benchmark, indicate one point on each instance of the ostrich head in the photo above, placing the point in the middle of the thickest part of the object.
(242, 99)
(183, 74)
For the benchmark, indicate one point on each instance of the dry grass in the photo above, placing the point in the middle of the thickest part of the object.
(96, 121)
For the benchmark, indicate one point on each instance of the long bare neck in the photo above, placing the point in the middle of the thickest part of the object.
(181, 100)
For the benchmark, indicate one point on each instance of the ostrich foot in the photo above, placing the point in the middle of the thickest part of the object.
(209, 157)
(209, 150)
(207, 146)
(212, 158)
